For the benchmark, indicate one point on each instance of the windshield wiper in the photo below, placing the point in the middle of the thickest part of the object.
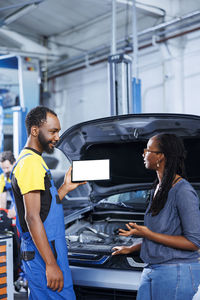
(120, 204)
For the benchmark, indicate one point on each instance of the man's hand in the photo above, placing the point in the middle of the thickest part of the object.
(68, 185)
(54, 276)
(11, 213)
(134, 229)
(68, 181)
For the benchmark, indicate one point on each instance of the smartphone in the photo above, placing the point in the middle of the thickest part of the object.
(90, 170)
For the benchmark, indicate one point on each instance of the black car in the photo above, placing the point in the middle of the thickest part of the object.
(95, 212)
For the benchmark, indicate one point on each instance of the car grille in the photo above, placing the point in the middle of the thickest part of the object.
(88, 293)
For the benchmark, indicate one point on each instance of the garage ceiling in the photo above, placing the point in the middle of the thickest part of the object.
(58, 24)
(50, 17)
(54, 30)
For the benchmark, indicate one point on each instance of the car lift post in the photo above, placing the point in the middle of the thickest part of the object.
(120, 84)
(136, 82)
(125, 87)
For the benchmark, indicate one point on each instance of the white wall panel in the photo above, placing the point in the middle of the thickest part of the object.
(170, 83)
(81, 96)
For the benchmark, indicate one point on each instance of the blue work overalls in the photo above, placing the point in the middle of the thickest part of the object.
(8, 188)
(33, 263)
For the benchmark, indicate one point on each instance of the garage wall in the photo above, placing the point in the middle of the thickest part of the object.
(81, 95)
(170, 77)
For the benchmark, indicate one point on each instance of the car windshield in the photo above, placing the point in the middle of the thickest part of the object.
(134, 199)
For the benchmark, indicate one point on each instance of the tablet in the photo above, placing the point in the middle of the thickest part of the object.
(90, 170)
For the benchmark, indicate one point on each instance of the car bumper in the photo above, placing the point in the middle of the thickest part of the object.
(106, 278)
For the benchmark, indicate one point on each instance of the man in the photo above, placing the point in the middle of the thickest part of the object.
(7, 161)
(7, 209)
(40, 212)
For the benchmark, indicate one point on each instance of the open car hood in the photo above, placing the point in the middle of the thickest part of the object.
(122, 140)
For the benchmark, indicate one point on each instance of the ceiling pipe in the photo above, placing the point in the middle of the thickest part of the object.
(16, 51)
(81, 67)
(105, 49)
(170, 23)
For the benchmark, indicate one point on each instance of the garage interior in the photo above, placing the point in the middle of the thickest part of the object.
(91, 59)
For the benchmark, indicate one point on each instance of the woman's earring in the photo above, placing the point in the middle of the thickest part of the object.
(157, 164)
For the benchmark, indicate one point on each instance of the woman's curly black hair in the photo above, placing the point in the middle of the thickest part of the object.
(174, 151)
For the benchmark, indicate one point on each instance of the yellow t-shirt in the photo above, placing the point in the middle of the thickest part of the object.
(2, 183)
(30, 175)
(30, 172)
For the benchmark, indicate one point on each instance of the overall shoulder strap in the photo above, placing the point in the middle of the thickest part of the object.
(27, 154)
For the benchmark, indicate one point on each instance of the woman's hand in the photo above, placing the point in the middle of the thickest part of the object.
(134, 229)
(121, 250)
(126, 249)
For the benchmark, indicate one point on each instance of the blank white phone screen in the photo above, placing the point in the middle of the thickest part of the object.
(88, 170)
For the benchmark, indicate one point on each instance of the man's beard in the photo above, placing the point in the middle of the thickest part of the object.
(45, 144)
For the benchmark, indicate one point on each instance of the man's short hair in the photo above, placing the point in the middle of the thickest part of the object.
(7, 155)
(37, 116)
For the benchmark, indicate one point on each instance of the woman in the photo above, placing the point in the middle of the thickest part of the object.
(171, 235)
